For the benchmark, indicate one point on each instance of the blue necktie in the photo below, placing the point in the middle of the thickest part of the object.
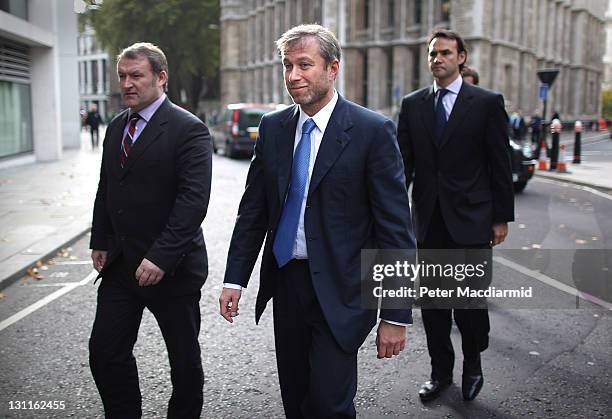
(440, 116)
(288, 225)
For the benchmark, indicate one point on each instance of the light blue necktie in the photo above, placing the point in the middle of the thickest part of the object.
(290, 218)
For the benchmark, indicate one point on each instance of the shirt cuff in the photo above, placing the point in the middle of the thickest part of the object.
(232, 286)
(395, 323)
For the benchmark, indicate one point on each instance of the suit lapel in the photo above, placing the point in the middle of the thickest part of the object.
(460, 108)
(284, 149)
(333, 142)
(427, 113)
(149, 135)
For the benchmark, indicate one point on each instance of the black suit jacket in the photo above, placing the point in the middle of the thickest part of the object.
(154, 207)
(469, 172)
(357, 199)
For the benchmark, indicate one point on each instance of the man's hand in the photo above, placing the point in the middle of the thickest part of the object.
(99, 259)
(500, 231)
(390, 339)
(148, 273)
(228, 303)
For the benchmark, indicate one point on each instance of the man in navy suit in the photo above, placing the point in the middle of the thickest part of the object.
(326, 181)
(453, 138)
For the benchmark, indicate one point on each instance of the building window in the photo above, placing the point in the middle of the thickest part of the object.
(416, 68)
(15, 118)
(364, 81)
(445, 11)
(366, 14)
(390, 13)
(414, 8)
(390, 96)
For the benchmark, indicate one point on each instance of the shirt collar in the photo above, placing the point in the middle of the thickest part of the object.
(147, 112)
(321, 118)
(454, 87)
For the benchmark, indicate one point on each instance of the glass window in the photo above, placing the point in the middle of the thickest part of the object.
(15, 118)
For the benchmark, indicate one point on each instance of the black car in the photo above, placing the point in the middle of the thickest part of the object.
(523, 164)
(235, 130)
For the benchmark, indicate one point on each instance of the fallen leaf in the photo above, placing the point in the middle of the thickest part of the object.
(561, 225)
(594, 238)
(536, 246)
(534, 353)
(39, 263)
(33, 273)
(1, 296)
(522, 226)
(580, 241)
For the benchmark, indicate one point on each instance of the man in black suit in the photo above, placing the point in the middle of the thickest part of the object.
(326, 181)
(146, 237)
(93, 121)
(453, 138)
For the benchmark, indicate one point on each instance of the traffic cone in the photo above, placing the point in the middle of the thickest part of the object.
(561, 164)
(542, 163)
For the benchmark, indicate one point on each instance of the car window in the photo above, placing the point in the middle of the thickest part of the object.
(251, 117)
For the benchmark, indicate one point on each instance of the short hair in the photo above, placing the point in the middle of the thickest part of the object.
(153, 53)
(329, 47)
(448, 34)
(470, 72)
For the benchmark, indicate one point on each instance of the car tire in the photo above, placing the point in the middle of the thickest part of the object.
(229, 151)
(519, 186)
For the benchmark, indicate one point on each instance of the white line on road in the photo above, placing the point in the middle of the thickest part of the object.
(44, 301)
(552, 282)
(581, 187)
(74, 262)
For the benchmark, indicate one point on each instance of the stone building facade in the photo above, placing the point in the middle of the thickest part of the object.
(385, 51)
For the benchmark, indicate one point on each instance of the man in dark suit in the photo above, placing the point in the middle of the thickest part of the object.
(453, 138)
(325, 182)
(93, 121)
(146, 237)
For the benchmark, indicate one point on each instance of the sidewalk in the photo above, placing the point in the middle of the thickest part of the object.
(588, 173)
(45, 205)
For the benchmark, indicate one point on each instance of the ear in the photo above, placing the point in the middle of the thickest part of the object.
(334, 68)
(162, 77)
(462, 57)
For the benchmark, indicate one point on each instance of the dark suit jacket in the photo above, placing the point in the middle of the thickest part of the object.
(357, 200)
(154, 207)
(469, 172)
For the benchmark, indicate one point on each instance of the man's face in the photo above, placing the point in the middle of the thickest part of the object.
(444, 60)
(309, 82)
(139, 86)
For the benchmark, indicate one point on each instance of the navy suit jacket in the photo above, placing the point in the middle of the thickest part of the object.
(357, 199)
(154, 207)
(468, 172)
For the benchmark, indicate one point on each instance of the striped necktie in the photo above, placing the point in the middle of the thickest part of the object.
(128, 140)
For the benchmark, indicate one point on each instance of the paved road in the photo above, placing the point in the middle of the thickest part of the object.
(549, 361)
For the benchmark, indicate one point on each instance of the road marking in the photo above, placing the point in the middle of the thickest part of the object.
(575, 186)
(46, 300)
(57, 284)
(552, 282)
(74, 262)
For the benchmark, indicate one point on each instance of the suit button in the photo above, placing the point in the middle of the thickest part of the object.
(307, 206)
(122, 183)
(122, 238)
(120, 211)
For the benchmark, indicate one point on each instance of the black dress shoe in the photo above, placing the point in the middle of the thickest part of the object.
(432, 389)
(471, 385)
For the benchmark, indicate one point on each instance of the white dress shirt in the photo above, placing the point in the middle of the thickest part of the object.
(448, 101)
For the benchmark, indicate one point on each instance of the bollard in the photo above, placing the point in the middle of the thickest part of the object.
(577, 141)
(542, 162)
(555, 129)
(561, 164)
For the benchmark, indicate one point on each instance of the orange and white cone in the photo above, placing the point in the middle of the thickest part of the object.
(562, 164)
(543, 163)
